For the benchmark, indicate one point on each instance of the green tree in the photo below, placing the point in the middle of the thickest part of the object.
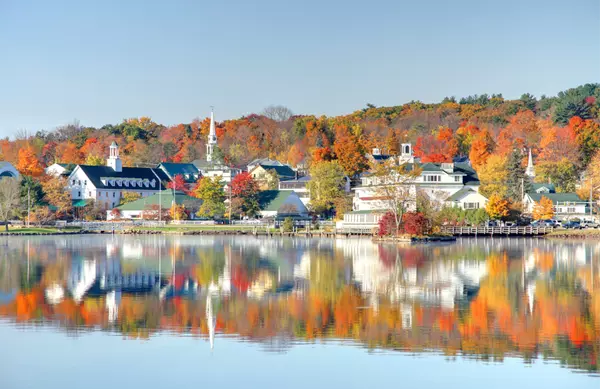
(517, 182)
(326, 186)
(32, 193)
(288, 224)
(529, 101)
(562, 174)
(210, 191)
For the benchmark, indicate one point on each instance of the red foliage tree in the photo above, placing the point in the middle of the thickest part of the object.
(243, 185)
(415, 223)
(178, 183)
(387, 225)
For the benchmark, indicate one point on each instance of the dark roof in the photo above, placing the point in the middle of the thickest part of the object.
(535, 187)
(557, 197)
(95, 173)
(282, 171)
(303, 180)
(381, 157)
(188, 171)
(165, 198)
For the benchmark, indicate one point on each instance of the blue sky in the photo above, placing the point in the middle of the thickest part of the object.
(102, 61)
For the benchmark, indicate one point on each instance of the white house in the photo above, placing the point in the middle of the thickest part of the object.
(439, 181)
(107, 184)
(58, 169)
(566, 205)
(8, 170)
(211, 167)
(467, 198)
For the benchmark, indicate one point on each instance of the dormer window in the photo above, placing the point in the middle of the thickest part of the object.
(126, 182)
(119, 182)
(146, 182)
(153, 182)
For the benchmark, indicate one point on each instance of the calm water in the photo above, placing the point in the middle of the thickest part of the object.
(112, 311)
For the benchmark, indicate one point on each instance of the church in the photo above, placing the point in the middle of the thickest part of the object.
(107, 184)
(214, 165)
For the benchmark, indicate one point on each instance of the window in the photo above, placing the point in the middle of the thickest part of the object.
(456, 178)
(85, 182)
(89, 193)
(78, 194)
(114, 194)
(72, 182)
(431, 178)
(471, 205)
(571, 210)
(78, 182)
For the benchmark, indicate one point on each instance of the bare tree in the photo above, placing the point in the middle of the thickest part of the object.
(394, 185)
(10, 196)
(279, 113)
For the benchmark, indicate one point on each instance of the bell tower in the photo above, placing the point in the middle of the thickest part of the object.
(114, 161)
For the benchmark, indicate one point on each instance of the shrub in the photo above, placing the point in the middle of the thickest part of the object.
(387, 225)
(288, 224)
(415, 223)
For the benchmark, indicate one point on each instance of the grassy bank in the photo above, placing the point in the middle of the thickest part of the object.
(575, 234)
(38, 230)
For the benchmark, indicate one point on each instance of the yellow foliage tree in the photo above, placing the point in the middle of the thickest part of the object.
(493, 175)
(497, 207)
(544, 209)
(178, 212)
(94, 160)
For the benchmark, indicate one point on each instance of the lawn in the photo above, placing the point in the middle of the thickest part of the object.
(38, 230)
(585, 233)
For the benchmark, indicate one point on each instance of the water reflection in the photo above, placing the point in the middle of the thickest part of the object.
(485, 299)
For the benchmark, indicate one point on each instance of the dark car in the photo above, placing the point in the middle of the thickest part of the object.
(572, 224)
(543, 223)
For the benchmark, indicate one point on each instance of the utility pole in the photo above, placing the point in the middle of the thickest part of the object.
(591, 203)
(230, 202)
(28, 204)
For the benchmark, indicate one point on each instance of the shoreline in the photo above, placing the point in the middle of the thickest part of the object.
(562, 234)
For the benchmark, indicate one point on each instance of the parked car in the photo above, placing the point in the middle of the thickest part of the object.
(589, 224)
(543, 223)
(572, 224)
(510, 224)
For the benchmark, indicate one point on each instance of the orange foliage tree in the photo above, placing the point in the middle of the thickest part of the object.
(28, 164)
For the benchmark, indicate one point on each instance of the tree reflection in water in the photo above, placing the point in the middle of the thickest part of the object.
(483, 299)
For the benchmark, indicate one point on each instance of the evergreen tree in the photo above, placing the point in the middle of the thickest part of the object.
(517, 182)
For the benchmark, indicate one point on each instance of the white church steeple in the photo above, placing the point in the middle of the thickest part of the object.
(530, 171)
(212, 137)
(114, 161)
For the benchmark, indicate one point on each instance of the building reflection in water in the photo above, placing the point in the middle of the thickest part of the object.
(479, 298)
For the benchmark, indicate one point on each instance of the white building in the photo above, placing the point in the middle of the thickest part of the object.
(58, 169)
(211, 167)
(107, 184)
(452, 184)
(8, 170)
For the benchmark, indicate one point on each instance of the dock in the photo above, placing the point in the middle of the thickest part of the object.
(497, 231)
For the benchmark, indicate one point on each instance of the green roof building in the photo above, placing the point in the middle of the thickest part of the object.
(166, 198)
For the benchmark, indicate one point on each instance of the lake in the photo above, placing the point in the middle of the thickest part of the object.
(99, 311)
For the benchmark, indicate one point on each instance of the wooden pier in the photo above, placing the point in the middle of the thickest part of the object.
(497, 231)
